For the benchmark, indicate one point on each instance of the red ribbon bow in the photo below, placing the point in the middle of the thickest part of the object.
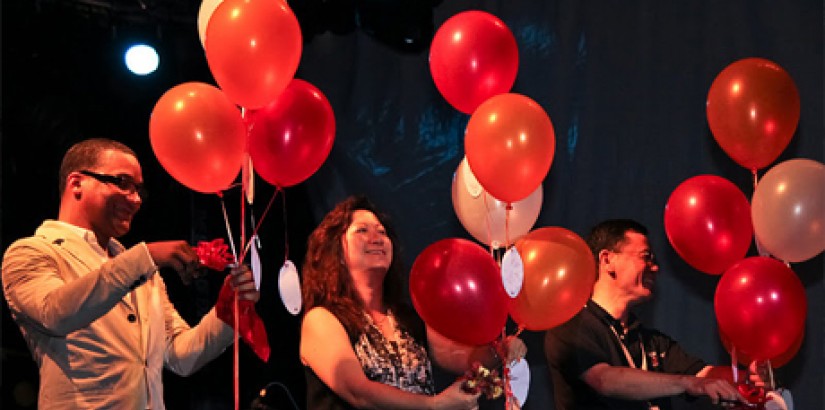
(214, 254)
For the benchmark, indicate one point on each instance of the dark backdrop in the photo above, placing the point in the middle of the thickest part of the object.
(624, 83)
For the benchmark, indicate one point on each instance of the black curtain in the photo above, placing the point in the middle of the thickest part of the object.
(624, 83)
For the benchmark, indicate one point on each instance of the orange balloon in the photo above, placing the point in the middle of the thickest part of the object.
(509, 144)
(559, 273)
(253, 48)
(198, 136)
(753, 111)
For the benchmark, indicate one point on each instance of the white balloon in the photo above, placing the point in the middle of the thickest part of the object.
(204, 14)
(485, 217)
(788, 210)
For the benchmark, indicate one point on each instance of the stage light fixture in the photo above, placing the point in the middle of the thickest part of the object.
(141, 59)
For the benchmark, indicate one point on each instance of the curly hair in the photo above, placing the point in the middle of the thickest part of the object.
(327, 281)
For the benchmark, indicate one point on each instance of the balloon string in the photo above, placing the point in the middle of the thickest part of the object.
(236, 314)
(772, 384)
(505, 370)
(286, 231)
(755, 179)
(733, 364)
(236, 319)
(507, 210)
(258, 224)
(228, 227)
(487, 223)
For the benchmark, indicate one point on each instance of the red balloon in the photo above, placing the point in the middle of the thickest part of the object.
(291, 137)
(760, 306)
(198, 136)
(708, 222)
(473, 57)
(776, 361)
(753, 111)
(456, 288)
(509, 144)
(559, 273)
(253, 48)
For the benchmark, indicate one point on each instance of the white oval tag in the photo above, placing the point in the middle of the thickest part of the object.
(512, 272)
(519, 380)
(289, 287)
(470, 182)
(255, 261)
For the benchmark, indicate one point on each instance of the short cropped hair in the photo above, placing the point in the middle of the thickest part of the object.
(611, 235)
(86, 155)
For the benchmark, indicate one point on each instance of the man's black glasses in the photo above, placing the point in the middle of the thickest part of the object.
(122, 182)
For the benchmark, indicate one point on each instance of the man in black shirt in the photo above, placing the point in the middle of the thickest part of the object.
(603, 358)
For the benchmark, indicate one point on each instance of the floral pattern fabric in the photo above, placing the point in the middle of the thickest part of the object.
(402, 363)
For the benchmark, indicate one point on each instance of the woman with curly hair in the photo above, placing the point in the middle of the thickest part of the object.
(361, 346)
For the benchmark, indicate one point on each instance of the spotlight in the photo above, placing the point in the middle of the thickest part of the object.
(141, 59)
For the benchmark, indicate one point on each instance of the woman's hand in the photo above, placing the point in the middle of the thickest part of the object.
(455, 398)
(514, 349)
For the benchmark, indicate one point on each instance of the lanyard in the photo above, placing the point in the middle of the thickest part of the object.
(627, 352)
(630, 360)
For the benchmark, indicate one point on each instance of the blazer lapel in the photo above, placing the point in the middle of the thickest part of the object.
(68, 243)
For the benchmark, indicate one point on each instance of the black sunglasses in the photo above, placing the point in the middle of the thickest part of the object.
(122, 182)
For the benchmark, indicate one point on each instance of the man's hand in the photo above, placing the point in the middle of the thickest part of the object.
(241, 280)
(177, 255)
(717, 389)
(759, 374)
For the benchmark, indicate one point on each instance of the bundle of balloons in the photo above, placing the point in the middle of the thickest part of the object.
(509, 142)
(456, 285)
(202, 135)
(752, 110)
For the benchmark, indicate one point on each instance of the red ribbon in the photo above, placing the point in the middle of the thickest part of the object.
(214, 254)
(252, 328)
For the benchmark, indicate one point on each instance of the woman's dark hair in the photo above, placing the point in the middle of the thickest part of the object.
(327, 281)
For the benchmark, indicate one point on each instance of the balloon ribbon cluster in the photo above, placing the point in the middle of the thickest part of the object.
(215, 255)
(481, 380)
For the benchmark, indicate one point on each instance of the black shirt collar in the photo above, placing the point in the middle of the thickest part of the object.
(632, 321)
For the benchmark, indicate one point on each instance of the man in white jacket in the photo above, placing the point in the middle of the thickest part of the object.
(96, 315)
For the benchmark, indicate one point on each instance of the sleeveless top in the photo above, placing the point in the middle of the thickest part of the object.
(401, 363)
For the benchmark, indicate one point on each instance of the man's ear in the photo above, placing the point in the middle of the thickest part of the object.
(73, 184)
(606, 263)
